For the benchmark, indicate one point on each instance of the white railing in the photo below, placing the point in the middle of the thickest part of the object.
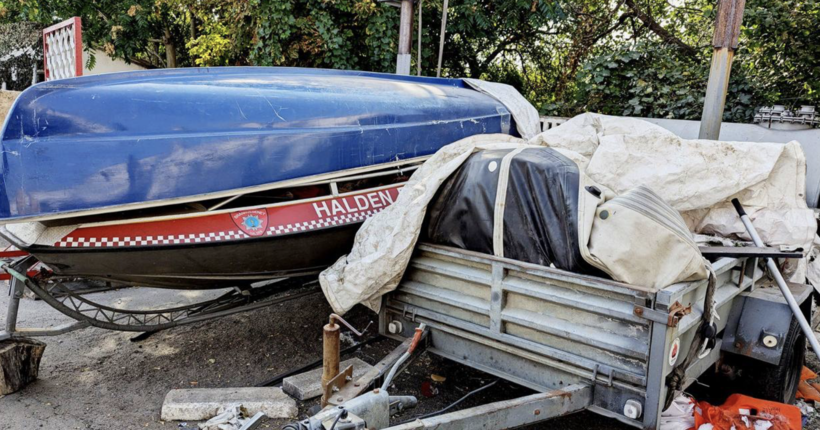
(548, 122)
(63, 50)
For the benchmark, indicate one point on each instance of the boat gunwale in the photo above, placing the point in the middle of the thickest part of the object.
(48, 249)
(232, 210)
(303, 181)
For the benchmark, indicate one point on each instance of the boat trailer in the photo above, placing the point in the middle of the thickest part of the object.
(58, 292)
(581, 342)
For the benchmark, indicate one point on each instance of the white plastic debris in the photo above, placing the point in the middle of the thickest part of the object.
(805, 408)
(680, 415)
(762, 425)
(807, 411)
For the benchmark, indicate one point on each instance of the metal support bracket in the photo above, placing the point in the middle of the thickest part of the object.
(676, 313)
(652, 315)
(337, 384)
(408, 309)
(374, 375)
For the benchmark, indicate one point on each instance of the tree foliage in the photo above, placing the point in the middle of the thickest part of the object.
(20, 53)
(623, 57)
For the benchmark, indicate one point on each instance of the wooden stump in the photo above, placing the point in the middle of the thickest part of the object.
(19, 363)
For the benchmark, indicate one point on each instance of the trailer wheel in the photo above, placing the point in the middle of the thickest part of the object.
(776, 382)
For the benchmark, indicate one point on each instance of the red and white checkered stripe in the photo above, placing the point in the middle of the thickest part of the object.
(323, 223)
(221, 236)
(106, 242)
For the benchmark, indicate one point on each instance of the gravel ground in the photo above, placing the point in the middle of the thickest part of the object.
(98, 379)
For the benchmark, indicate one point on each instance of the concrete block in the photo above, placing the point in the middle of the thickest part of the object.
(199, 404)
(308, 385)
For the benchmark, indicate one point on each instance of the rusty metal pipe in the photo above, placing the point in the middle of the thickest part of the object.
(330, 353)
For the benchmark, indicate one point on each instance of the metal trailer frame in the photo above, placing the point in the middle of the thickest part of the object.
(606, 346)
(87, 313)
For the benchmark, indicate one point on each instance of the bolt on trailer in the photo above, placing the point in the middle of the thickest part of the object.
(589, 343)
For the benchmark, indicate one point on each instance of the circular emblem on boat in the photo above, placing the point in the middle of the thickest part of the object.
(252, 222)
(493, 165)
(674, 352)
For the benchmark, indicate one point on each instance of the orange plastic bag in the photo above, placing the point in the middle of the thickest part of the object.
(806, 390)
(743, 411)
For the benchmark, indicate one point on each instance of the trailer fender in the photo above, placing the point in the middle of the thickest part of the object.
(759, 322)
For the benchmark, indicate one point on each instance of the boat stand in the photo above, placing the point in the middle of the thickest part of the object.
(17, 289)
(88, 313)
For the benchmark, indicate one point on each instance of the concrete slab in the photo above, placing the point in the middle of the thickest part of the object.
(308, 385)
(200, 404)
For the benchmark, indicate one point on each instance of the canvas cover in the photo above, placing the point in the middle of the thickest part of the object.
(527, 121)
(638, 238)
(697, 178)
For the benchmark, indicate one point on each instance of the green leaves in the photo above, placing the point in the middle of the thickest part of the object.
(20, 51)
(341, 34)
(565, 56)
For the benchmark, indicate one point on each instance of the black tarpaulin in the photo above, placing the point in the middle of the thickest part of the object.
(540, 214)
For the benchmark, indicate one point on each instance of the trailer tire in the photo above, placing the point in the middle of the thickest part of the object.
(776, 382)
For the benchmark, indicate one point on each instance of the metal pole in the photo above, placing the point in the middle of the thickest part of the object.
(17, 288)
(441, 40)
(418, 49)
(778, 277)
(725, 40)
(405, 38)
(14, 304)
(330, 354)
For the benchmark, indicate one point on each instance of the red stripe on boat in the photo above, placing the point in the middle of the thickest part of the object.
(271, 221)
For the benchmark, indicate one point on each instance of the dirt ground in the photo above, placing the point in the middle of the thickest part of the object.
(97, 379)
(6, 100)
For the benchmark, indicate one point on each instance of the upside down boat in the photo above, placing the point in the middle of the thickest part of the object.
(205, 178)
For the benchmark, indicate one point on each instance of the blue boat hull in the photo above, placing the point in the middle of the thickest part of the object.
(112, 142)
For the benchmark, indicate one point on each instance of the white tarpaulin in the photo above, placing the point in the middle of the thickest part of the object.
(696, 177)
(385, 241)
(527, 121)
